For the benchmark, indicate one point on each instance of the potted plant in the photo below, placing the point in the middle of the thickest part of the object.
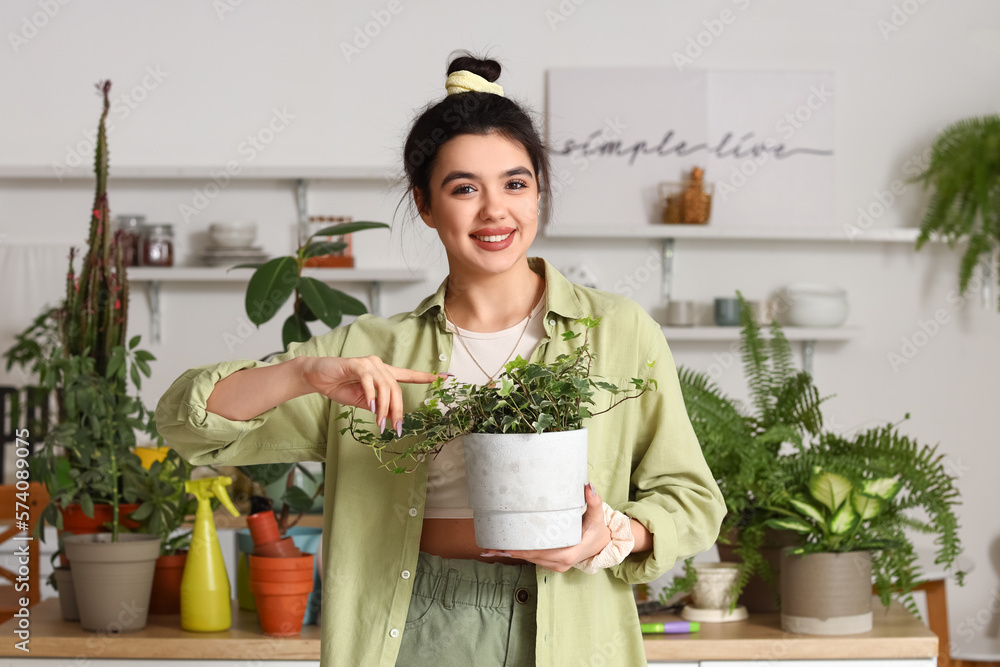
(164, 507)
(964, 171)
(521, 435)
(87, 457)
(835, 494)
(745, 447)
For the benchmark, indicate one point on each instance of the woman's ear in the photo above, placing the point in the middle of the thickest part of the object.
(423, 208)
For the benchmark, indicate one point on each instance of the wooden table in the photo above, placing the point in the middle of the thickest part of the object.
(897, 638)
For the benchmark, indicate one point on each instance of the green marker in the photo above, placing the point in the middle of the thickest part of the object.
(669, 628)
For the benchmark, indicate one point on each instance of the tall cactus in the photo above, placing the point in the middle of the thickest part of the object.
(94, 315)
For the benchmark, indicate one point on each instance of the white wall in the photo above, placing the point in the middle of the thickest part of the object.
(221, 77)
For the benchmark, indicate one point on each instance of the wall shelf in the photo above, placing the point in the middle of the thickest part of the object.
(710, 233)
(154, 277)
(346, 173)
(808, 336)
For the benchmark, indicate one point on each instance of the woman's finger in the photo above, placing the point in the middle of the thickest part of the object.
(411, 376)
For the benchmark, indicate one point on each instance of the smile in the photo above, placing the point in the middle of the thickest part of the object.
(492, 239)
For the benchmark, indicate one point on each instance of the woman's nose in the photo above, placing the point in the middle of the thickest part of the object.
(494, 207)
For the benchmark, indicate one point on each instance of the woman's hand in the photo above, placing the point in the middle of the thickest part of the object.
(364, 382)
(596, 536)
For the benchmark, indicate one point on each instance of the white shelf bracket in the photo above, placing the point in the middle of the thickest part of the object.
(375, 297)
(667, 270)
(808, 351)
(155, 318)
(302, 208)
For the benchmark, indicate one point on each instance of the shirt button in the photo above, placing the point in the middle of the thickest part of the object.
(440, 317)
(394, 633)
(552, 323)
(405, 574)
(413, 511)
(442, 357)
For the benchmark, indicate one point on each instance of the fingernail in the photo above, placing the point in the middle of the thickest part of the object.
(591, 487)
(486, 555)
(504, 553)
(447, 375)
(399, 428)
(381, 425)
(373, 406)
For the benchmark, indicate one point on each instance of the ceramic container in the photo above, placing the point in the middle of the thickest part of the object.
(232, 234)
(815, 305)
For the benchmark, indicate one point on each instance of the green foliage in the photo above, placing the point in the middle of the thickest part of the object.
(273, 282)
(164, 504)
(779, 469)
(530, 398)
(965, 172)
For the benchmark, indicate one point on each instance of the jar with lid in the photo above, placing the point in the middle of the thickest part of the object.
(130, 227)
(157, 245)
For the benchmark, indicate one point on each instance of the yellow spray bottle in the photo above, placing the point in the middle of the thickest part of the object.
(205, 599)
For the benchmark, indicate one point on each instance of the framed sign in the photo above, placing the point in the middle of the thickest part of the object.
(764, 140)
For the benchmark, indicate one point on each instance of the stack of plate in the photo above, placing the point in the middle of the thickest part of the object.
(215, 256)
(232, 243)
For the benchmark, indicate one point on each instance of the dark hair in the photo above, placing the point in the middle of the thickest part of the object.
(470, 113)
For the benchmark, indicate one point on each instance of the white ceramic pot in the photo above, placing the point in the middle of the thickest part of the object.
(714, 586)
(527, 490)
(815, 305)
(232, 234)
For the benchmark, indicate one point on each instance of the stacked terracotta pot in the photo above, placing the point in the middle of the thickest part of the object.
(281, 578)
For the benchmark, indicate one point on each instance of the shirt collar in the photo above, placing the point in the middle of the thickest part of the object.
(560, 296)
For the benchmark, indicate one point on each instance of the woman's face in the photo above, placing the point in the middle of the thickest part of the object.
(483, 202)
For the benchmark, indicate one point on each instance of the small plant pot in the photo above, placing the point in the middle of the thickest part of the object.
(281, 605)
(76, 521)
(263, 528)
(166, 595)
(526, 490)
(826, 593)
(113, 580)
(714, 586)
(67, 594)
(281, 549)
(244, 597)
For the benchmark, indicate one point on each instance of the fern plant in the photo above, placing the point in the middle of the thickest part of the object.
(766, 458)
(965, 172)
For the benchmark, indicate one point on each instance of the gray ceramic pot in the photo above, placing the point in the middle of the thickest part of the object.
(112, 580)
(67, 594)
(826, 593)
(526, 490)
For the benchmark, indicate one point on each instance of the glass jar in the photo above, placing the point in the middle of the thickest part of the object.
(157, 244)
(130, 227)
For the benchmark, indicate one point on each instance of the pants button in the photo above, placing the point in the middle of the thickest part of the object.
(521, 595)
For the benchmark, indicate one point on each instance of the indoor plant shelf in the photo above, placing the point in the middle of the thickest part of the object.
(363, 173)
(715, 233)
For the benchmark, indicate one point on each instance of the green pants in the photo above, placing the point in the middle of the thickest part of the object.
(465, 612)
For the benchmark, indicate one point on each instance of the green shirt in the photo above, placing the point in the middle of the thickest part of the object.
(643, 459)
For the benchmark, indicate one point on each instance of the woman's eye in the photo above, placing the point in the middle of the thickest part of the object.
(462, 190)
(520, 184)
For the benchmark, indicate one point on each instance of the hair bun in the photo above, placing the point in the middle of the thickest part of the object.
(488, 69)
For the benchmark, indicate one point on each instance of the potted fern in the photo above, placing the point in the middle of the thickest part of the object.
(964, 172)
(781, 471)
(524, 442)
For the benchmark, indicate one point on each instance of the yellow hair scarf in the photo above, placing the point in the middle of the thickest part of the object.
(464, 81)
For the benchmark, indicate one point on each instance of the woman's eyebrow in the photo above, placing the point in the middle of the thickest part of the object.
(455, 175)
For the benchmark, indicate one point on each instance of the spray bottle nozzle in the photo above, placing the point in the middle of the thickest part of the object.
(208, 487)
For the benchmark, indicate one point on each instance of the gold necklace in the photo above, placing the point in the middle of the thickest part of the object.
(461, 339)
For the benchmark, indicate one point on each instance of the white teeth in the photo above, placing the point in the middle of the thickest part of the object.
(494, 239)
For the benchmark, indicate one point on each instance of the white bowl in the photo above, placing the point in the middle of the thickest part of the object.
(232, 234)
(815, 305)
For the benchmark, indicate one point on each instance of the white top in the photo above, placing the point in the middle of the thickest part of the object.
(447, 491)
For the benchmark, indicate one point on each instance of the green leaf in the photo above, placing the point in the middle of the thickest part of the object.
(349, 305)
(249, 265)
(269, 288)
(788, 523)
(830, 489)
(866, 506)
(321, 299)
(808, 510)
(295, 330)
(297, 500)
(87, 505)
(318, 248)
(349, 228)
(133, 342)
(884, 488)
(845, 520)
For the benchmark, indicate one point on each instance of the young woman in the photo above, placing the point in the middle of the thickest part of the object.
(404, 582)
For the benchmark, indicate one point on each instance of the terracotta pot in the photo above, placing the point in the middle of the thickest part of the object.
(67, 595)
(166, 595)
(263, 528)
(76, 522)
(826, 593)
(281, 605)
(281, 549)
(113, 580)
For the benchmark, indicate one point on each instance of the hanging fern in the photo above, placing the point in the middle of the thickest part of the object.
(964, 171)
